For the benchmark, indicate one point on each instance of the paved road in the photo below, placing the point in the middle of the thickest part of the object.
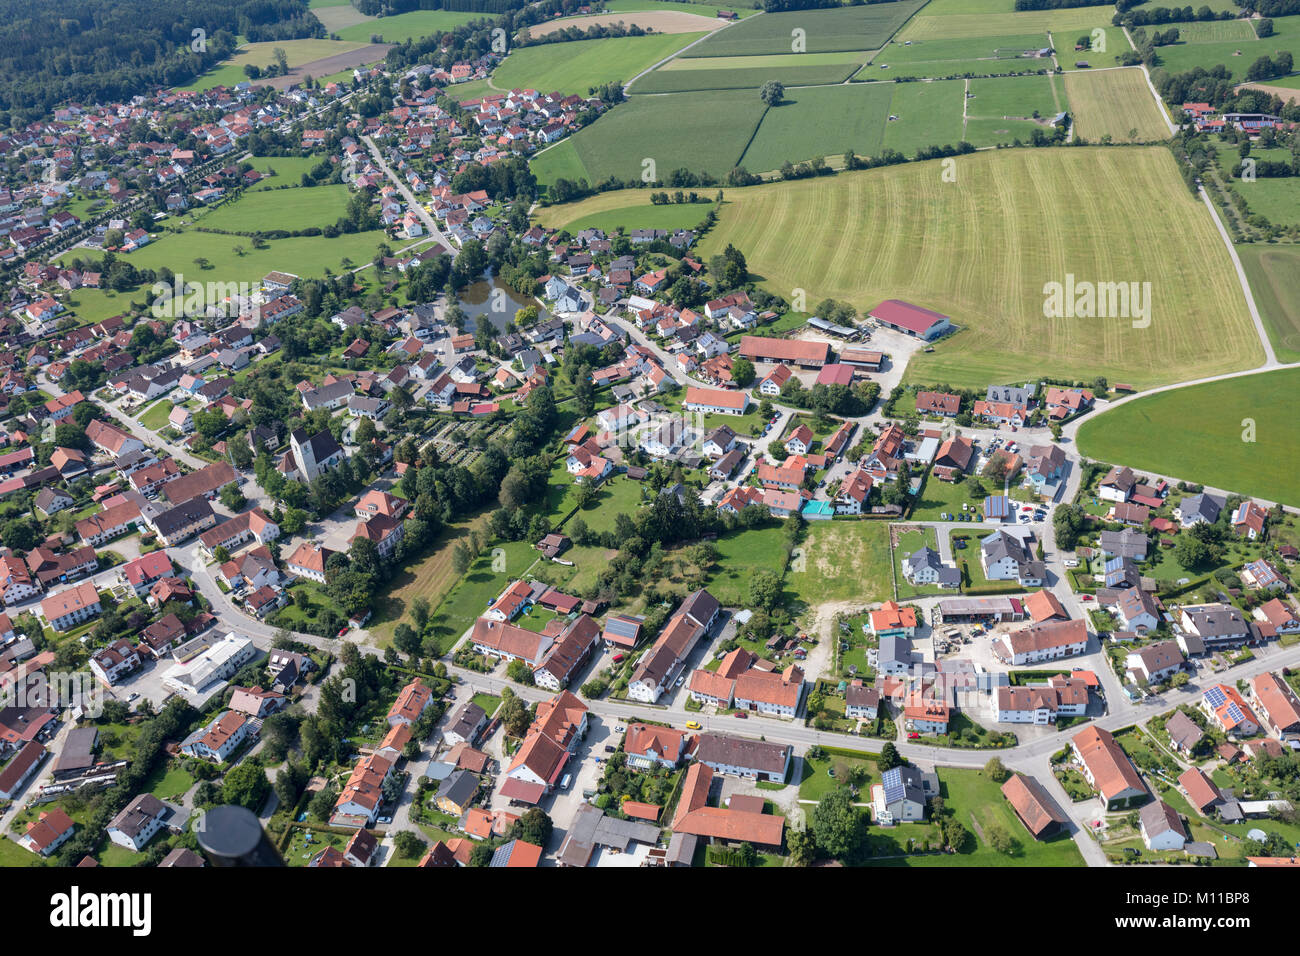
(430, 226)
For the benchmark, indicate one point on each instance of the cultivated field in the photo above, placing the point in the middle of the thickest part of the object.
(741, 72)
(1196, 434)
(641, 216)
(618, 205)
(1236, 53)
(992, 55)
(577, 66)
(657, 21)
(1272, 271)
(846, 28)
(685, 6)
(297, 53)
(928, 114)
(1016, 98)
(1115, 103)
(822, 121)
(927, 26)
(407, 26)
(983, 248)
(699, 131)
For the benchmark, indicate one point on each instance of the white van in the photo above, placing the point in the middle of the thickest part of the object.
(564, 784)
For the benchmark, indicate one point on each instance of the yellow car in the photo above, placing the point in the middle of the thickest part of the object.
(693, 725)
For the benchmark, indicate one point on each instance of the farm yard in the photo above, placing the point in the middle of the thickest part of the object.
(1196, 434)
(1041, 214)
(1115, 104)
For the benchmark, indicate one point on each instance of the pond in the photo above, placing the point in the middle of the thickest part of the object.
(496, 300)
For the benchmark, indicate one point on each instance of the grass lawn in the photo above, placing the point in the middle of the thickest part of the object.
(845, 28)
(740, 555)
(907, 543)
(304, 844)
(945, 497)
(156, 417)
(304, 255)
(430, 578)
(297, 208)
(817, 781)
(578, 66)
(486, 578)
(616, 495)
(489, 703)
(1115, 103)
(169, 782)
(842, 561)
(1196, 434)
(670, 216)
(969, 558)
(1055, 220)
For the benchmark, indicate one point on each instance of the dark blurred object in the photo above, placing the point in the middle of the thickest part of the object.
(232, 836)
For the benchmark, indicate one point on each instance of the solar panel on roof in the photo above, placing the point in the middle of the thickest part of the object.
(1215, 696)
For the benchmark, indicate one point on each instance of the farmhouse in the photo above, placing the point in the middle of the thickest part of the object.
(715, 401)
(1049, 641)
(1108, 768)
(758, 348)
(1034, 806)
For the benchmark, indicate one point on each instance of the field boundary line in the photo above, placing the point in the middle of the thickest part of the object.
(654, 66)
(1270, 357)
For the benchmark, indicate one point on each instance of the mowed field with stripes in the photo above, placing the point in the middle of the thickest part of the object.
(981, 250)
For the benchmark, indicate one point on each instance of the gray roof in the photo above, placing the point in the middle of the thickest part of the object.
(459, 788)
(1001, 545)
(1206, 506)
(1013, 394)
(592, 828)
(726, 750)
(1126, 543)
(184, 514)
(893, 648)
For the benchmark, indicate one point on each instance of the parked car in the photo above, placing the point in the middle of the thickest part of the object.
(610, 748)
(618, 658)
(693, 725)
(913, 736)
(742, 715)
(384, 820)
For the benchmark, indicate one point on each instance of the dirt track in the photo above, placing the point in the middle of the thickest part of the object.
(660, 21)
(371, 53)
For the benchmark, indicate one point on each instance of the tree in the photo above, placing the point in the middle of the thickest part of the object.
(534, 827)
(481, 855)
(409, 846)
(514, 715)
(802, 847)
(232, 497)
(519, 672)
(742, 373)
(835, 823)
(246, 785)
(764, 589)
(996, 770)
(771, 93)
(889, 757)
(997, 837)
